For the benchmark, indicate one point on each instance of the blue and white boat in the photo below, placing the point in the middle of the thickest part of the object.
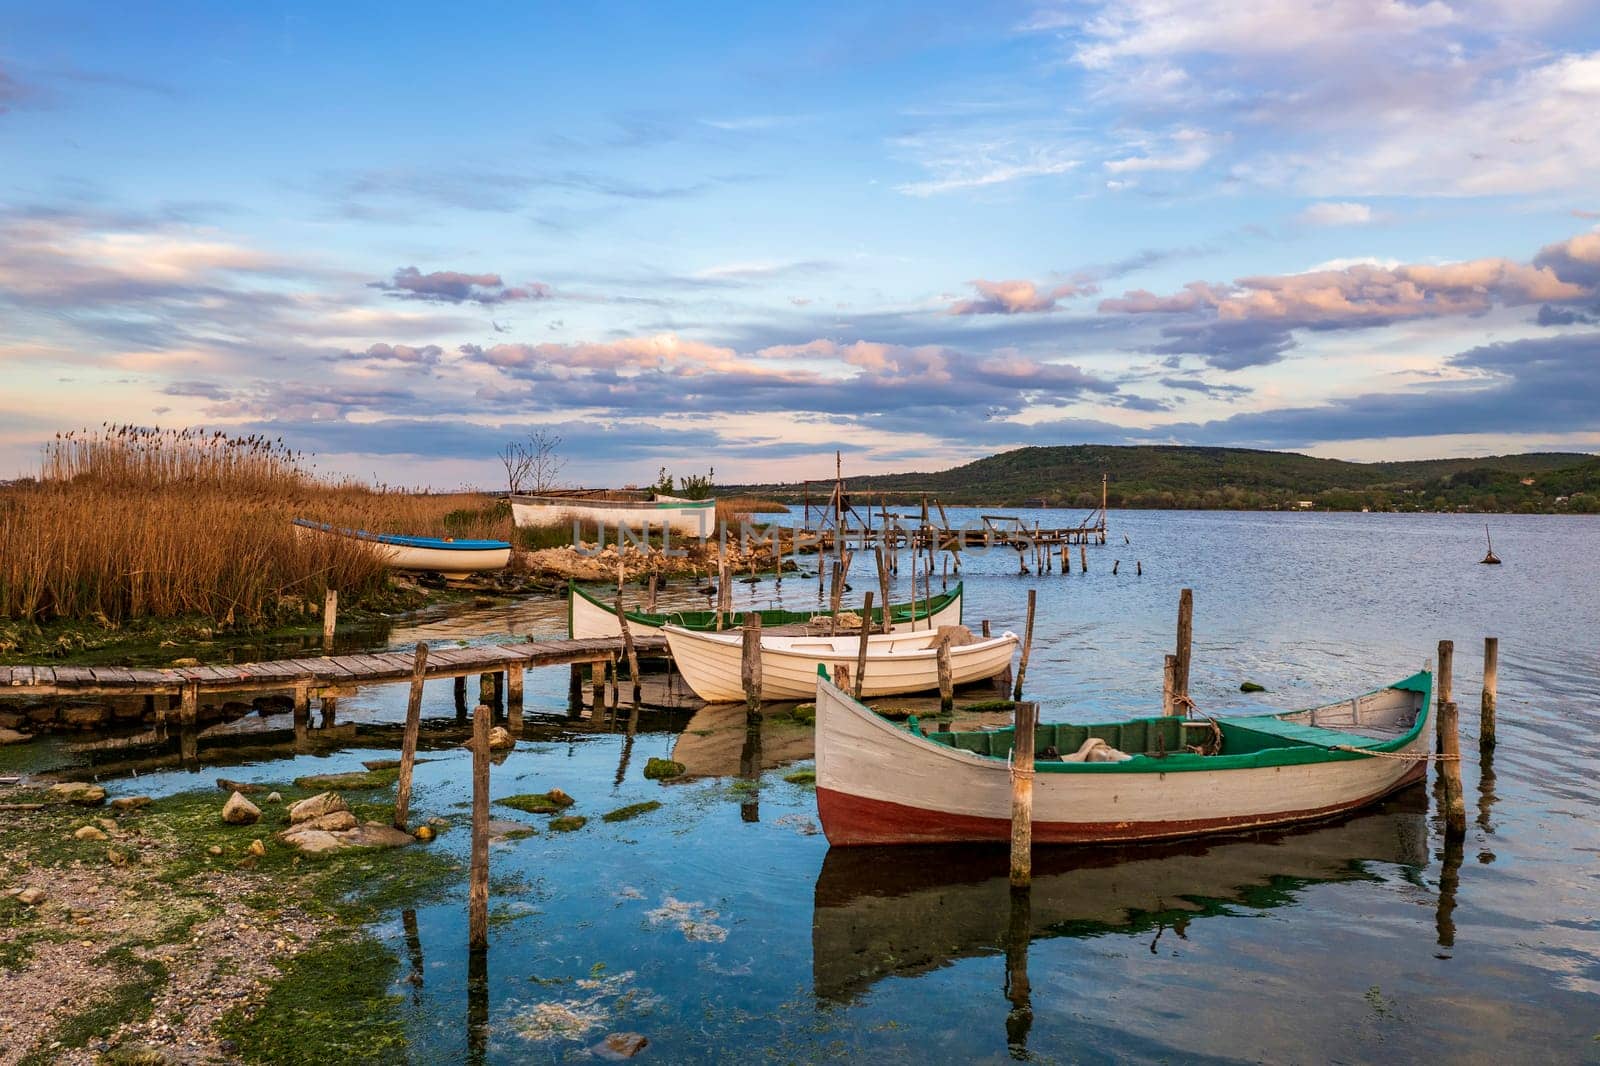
(449, 557)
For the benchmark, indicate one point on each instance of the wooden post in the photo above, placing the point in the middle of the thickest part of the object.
(1180, 677)
(514, 698)
(478, 888)
(1083, 558)
(330, 618)
(633, 656)
(1116, 564)
(838, 593)
(1169, 689)
(1455, 803)
(1138, 568)
(861, 651)
(575, 690)
(984, 627)
(650, 597)
(883, 590)
(1027, 645)
(327, 707)
(947, 687)
(1441, 684)
(1491, 685)
(750, 664)
(1022, 794)
(597, 690)
(408, 741)
(459, 684)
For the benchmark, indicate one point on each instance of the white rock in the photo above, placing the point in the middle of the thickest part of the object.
(240, 811)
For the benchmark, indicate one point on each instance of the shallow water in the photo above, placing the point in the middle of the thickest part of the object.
(721, 928)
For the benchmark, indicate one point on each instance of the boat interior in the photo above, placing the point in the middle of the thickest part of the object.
(1370, 720)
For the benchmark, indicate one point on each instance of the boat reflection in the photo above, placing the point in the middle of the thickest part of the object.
(882, 912)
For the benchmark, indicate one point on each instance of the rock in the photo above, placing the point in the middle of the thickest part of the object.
(439, 823)
(1251, 686)
(243, 787)
(274, 797)
(567, 823)
(632, 810)
(240, 811)
(314, 841)
(506, 829)
(354, 779)
(11, 736)
(124, 804)
(215, 849)
(109, 825)
(382, 764)
(617, 1046)
(185, 662)
(317, 806)
(118, 857)
(662, 769)
(80, 792)
(91, 717)
(89, 832)
(500, 739)
(332, 822)
(10, 719)
(257, 848)
(551, 802)
(377, 835)
(31, 897)
(42, 715)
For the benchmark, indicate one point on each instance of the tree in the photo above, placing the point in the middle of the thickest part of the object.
(533, 465)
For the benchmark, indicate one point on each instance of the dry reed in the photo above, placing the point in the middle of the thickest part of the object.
(127, 522)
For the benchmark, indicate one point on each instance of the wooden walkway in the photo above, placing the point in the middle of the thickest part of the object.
(321, 675)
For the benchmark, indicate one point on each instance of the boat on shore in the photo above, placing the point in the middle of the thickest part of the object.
(897, 663)
(637, 511)
(879, 783)
(589, 616)
(450, 558)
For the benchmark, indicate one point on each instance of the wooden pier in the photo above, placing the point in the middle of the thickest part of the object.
(325, 677)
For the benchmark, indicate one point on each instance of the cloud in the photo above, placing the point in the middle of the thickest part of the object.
(450, 286)
(422, 356)
(375, 192)
(960, 158)
(1183, 150)
(1210, 389)
(1014, 298)
(1336, 213)
(1250, 321)
(12, 92)
(1566, 316)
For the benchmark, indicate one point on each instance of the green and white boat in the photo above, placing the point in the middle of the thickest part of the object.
(589, 616)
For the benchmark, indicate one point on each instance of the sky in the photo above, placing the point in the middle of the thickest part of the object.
(741, 236)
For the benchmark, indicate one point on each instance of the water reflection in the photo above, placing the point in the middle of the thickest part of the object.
(1019, 930)
(477, 1005)
(915, 910)
(413, 934)
(1444, 922)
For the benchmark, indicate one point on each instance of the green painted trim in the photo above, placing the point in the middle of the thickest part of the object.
(1298, 754)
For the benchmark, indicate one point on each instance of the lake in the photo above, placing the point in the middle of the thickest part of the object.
(721, 927)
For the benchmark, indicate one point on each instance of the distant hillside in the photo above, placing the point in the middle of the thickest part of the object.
(1161, 476)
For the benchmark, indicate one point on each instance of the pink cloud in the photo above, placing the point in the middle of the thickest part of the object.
(1015, 298)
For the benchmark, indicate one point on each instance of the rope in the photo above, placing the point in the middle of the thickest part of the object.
(1404, 755)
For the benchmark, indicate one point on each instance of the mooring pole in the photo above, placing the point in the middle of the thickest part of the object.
(514, 698)
(1441, 682)
(1022, 794)
(633, 656)
(408, 742)
(1027, 646)
(861, 650)
(1455, 803)
(478, 889)
(1169, 686)
(330, 618)
(1491, 685)
(750, 665)
(947, 687)
(1180, 679)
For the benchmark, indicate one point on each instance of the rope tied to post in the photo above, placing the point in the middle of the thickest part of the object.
(1018, 772)
(1187, 707)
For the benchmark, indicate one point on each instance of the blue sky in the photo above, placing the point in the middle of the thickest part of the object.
(744, 235)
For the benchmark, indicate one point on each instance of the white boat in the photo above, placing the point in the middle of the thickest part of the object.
(897, 663)
(588, 616)
(450, 558)
(635, 511)
(879, 783)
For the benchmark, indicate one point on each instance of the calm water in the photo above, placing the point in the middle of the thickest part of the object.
(722, 928)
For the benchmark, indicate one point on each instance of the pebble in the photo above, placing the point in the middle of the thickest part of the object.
(90, 832)
(274, 797)
(214, 849)
(32, 897)
(257, 848)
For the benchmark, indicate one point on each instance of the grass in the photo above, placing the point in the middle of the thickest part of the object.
(332, 1004)
(807, 776)
(632, 810)
(568, 823)
(537, 802)
(126, 523)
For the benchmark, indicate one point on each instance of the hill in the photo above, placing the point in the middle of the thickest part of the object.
(1175, 476)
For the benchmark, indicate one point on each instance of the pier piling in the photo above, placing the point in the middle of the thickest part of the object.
(1455, 803)
(330, 617)
(1491, 685)
(633, 656)
(947, 688)
(750, 665)
(1180, 679)
(514, 698)
(1169, 683)
(478, 888)
(1442, 684)
(408, 742)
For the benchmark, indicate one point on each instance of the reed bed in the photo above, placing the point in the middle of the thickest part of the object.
(126, 522)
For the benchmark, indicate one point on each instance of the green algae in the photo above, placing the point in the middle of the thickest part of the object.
(537, 802)
(632, 810)
(662, 769)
